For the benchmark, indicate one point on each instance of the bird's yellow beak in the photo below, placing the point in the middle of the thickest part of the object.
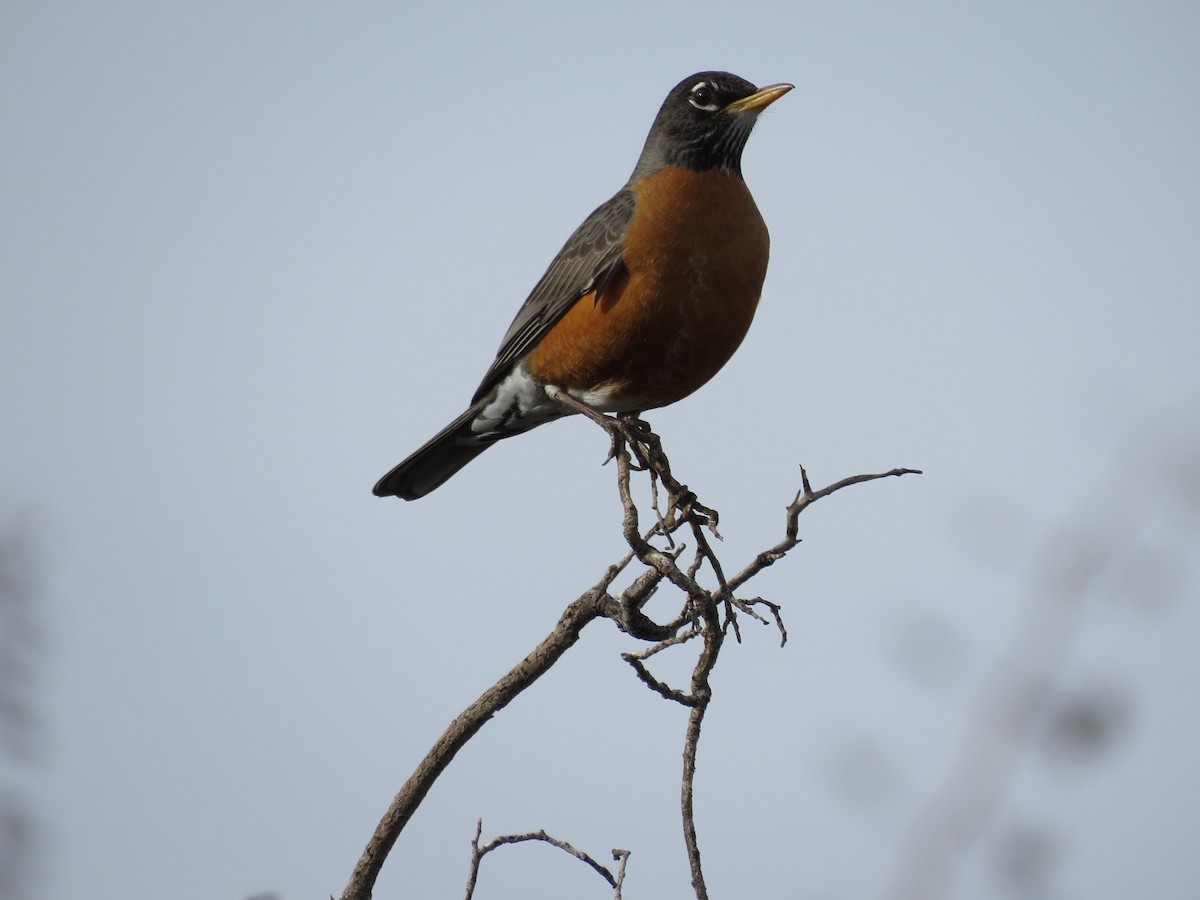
(759, 100)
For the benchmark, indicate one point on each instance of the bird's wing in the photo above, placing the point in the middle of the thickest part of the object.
(589, 261)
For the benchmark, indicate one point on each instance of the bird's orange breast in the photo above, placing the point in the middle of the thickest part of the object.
(695, 256)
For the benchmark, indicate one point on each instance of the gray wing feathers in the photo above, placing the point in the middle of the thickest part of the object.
(590, 258)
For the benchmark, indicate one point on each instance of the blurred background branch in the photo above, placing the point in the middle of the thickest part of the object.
(21, 648)
(1129, 544)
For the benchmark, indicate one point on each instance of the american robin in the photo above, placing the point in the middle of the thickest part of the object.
(646, 301)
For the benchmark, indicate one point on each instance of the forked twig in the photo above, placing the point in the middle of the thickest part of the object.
(479, 851)
(631, 438)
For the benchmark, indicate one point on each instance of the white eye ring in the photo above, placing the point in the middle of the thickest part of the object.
(701, 97)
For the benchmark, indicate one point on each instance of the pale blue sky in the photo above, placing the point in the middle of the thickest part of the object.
(254, 254)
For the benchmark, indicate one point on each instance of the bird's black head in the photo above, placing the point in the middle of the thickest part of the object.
(704, 123)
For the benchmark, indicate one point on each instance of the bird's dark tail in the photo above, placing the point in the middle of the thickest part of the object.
(431, 466)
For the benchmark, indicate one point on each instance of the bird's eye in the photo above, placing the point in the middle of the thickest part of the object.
(702, 97)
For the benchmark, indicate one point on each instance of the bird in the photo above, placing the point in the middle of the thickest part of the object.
(645, 302)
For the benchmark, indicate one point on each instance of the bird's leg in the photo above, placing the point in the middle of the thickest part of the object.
(646, 448)
(619, 430)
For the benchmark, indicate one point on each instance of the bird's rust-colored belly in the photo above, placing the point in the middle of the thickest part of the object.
(695, 257)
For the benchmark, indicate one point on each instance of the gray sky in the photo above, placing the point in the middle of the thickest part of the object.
(254, 254)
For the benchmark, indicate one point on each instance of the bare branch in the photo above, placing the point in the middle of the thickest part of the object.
(635, 447)
(632, 435)
(478, 852)
(804, 499)
(588, 607)
(622, 857)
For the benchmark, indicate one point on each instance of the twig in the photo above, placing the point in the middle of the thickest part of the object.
(479, 852)
(621, 857)
(588, 607)
(714, 636)
(804, 499)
